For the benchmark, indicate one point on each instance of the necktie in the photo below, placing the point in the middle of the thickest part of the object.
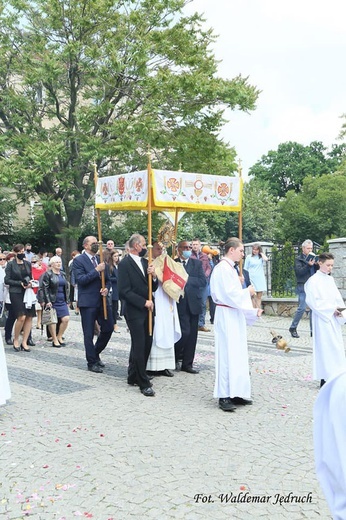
(143, 265)
(93, 259)
(184, 264)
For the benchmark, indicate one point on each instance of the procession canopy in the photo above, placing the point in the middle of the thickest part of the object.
(170, 190)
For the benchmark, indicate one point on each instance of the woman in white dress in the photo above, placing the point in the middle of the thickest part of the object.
(5, 392)
(254, 264)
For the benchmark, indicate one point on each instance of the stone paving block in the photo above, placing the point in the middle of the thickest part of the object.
(78, 442)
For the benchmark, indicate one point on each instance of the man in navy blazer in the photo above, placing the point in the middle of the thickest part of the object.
(189, 308)
(133, 287)
(87, 269)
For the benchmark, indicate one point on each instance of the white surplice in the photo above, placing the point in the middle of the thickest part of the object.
(323, 297)
(5, 392)
(330, 443)
(233, 312)
(166, 332)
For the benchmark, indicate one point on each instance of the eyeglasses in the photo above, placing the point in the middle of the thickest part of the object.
(2, 259)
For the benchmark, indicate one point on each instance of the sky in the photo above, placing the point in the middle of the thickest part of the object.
(294, 52)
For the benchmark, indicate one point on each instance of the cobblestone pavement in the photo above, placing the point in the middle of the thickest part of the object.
(78, 444)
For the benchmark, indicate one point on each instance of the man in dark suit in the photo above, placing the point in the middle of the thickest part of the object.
(87, 270)
(133, 287)
(189, 308)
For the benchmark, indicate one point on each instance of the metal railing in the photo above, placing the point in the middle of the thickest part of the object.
(279, 270)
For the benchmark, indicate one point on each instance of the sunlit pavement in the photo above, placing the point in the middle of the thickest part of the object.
(78, 444)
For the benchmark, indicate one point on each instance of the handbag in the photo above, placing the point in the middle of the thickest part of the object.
(49, 316)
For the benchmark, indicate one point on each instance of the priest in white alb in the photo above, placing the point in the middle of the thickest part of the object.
(167, 330)
(233, 312)
(326, 304)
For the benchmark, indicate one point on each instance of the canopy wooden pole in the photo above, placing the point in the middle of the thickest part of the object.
(99, 232)
(150, 246)
(174, 247)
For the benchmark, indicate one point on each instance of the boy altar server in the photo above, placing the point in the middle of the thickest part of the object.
(233, 312)
(324, 299)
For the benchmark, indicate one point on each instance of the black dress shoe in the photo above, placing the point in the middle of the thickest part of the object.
(56, 346)
(100, 363)
(225, 403)
(95, 368)
(148, 392)
(240, 400)
(25, 349)
(8, 341)
(166, 373)
(31, 343)
(62, 343)
(294, 333)
(190, 370)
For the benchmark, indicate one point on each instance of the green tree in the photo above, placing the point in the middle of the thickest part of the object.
(318, 211)
(100, 80)
(284, 170)
(283, 279)
(261, 219)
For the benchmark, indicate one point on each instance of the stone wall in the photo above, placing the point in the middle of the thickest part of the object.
(337, 247)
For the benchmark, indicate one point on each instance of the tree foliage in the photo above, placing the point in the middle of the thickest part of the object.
(101, 80)
(283, 279)
(261, 219)
(318, 211)
(285, 169)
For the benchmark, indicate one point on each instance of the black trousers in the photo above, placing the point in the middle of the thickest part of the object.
(115, 307)
(89, 315)
(185, 348)
(140, 350)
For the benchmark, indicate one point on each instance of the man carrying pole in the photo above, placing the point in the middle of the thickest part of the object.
(133, 283)
(88, 268)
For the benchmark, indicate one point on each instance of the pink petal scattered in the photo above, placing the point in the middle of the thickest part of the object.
(57, 440)
(88, 515)
(102, 434)
(242, 488)
(69, 446)
(45, 466)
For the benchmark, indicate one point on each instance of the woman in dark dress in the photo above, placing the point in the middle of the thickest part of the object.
(112, 265)
(55, 293)
(18, 277)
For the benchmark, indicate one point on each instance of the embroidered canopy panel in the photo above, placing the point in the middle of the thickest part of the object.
(170, 190)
